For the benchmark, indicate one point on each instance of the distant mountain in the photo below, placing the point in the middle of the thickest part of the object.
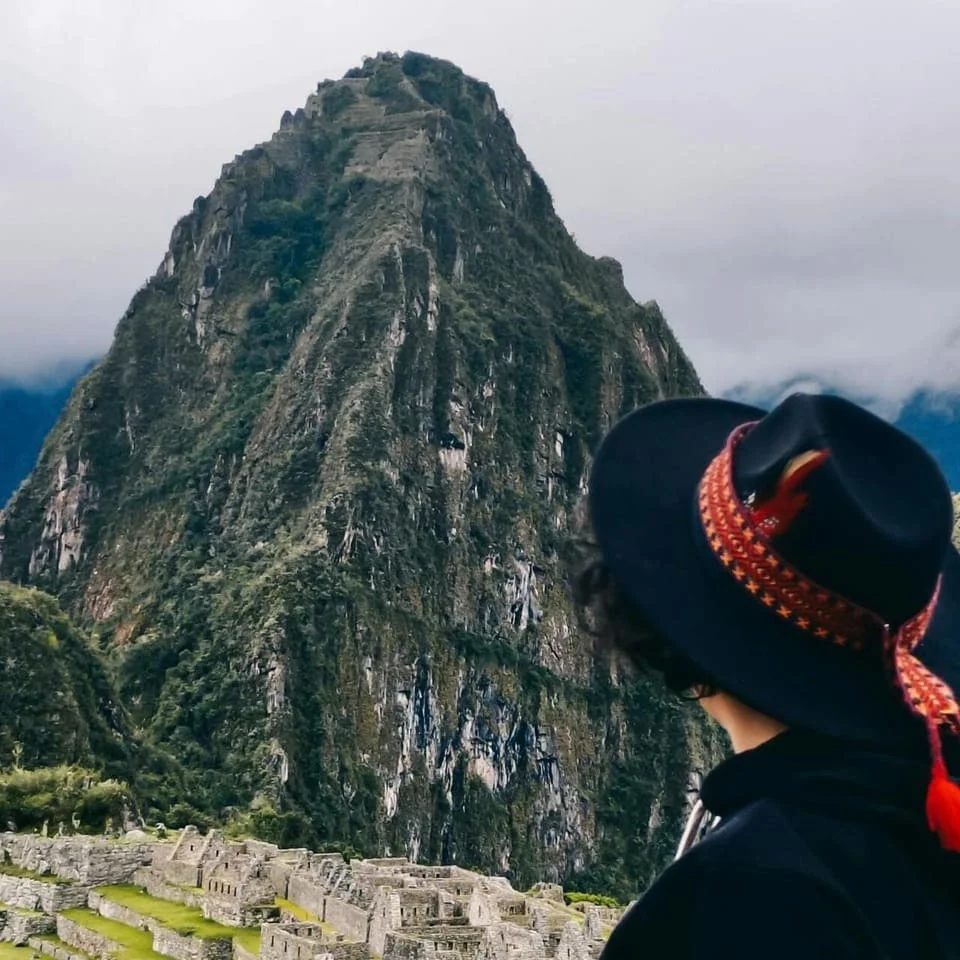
(935, 422)
(26, 415)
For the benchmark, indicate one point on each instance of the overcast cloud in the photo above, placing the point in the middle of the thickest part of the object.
(781, 175)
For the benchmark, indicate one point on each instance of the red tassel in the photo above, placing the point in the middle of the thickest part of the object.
(776, 514)
(943, 798)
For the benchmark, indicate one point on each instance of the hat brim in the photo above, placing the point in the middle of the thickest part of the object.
(643, 506)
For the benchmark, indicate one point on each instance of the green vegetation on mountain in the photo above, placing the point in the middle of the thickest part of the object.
(315, 504)
(69, 797)
(57, 705)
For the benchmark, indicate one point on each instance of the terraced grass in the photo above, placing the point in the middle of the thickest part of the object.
(304, 916)
(12, 870)
(62, 944)
(24, 911)
(185, 920)
(247, 937)
(134, 944)
(9, 952)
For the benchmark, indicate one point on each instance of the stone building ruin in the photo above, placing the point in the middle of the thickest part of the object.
(305, 905)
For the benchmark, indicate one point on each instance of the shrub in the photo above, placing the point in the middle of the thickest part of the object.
(601, 900)
(337, 100)
(54, 795)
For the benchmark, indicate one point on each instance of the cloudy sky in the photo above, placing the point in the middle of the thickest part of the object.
(781, 175)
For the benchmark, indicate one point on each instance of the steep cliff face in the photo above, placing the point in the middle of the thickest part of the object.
(319, 495)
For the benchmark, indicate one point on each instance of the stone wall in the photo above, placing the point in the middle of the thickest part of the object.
(513, 906)
(461, 940)
(233, 885)
(29, 894)
(508, 940)
(55, 950)
(344, 950)
(607, 915)
(85, 940)
(235, 913)
(182, 871)
(223, 910)
(279, 875)
(266, 851)
(117, 911)
(90, 860)
(385, 917)
(242, 953)
(481, 910)
(171, 944)
(304, 941)
(573, 945)
(418, 904)
(183, 864)
(290, 939)
(165, 941)
(399, 947)
(548, 891)
(18, 926)
(156, 886)
(306, 893)
(346, 918)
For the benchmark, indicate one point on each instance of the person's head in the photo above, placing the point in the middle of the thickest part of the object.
(786, 564)
(623, 632)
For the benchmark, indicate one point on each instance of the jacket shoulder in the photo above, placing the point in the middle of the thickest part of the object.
(748, 890)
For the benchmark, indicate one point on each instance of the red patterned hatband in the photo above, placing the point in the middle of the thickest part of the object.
(740, 536)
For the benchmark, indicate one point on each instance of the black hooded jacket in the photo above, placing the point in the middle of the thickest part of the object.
(823, 851)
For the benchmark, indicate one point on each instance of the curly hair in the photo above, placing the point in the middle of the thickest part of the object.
(621, 629)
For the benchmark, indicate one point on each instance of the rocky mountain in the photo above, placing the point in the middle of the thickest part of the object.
(318, 498)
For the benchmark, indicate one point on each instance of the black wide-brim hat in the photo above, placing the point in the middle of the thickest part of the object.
(875, 527)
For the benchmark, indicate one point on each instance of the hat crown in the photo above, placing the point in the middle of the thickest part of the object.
(878, 515)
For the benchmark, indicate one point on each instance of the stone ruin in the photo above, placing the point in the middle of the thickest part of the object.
(308, 906)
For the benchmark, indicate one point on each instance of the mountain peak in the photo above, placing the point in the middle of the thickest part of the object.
(318, 495)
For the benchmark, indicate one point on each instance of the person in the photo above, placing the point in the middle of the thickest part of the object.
(793, 569)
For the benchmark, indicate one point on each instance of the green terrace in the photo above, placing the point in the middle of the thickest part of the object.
(12, 870)
(9, 952)
(185, 920)
(23, 911)
(133, 944)
(54, 940)
(304, 916)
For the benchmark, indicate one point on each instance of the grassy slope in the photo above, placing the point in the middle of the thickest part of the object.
(134, 944)
(185, 920)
